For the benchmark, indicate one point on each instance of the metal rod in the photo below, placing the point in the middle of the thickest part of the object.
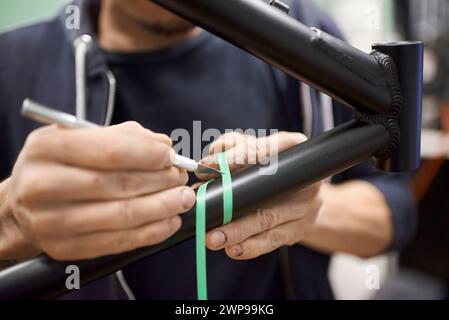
(312, 56)
(299, 167)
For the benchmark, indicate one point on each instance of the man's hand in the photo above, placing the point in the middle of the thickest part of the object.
(285, 220)
(80, 194)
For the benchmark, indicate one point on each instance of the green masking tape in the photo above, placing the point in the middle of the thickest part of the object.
(227, 187)
(201, 277)
(201, 273)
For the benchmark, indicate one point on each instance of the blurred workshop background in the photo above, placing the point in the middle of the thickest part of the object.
(421, 271)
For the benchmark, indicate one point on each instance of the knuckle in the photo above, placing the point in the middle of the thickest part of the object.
(236, 137)
(30, 186)
(253, 145)
(267, 219)
(18, 198)
(40, 226)
(285, 135)
(263, 147)
(161, 154)
(21, 194)
(34, 139)
(156, 235)
(231, 138)
(174, 176)
(131, 125)
(291, 242)
(299, 212)
(233, 235)
(152, 237)
(164, 139)
(55, 254)
(236, 134)
(224, 142)
(290, 139)
(277, 239)
(253, 151)
(125, 213)
(57, 251)
(124, 242)
(114, 153)
(169, 203)
(232, 135)
(38, 143)
(126, 182)
(97, 181)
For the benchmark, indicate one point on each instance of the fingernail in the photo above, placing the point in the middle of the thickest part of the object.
(188, 198)
(217, 239)
(237, 250)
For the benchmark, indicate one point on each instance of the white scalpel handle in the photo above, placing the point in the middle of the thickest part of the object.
(183, 162)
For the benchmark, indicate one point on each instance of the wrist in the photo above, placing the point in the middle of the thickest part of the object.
(325, 223)
(354, 219)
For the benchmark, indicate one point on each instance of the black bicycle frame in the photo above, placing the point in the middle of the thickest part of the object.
(383, 87)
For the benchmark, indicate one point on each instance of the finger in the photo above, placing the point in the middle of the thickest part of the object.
(132, 125)
(59, 183)
(283, 140)
(272, 145)
(238, 157)
(249, 150)
(283, 235)
(126, 214)
(127, 146)
(226, 141)
(246, 227)
(109, 243)
(280, 210)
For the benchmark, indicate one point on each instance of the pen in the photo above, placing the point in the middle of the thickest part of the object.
(47, 115)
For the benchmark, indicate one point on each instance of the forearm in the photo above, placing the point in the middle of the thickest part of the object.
(13, 245)
(354, 219)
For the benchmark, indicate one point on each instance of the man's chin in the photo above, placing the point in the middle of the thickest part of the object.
(168, 28)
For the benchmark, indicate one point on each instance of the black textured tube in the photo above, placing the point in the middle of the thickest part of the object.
(408, 59)
(301, 166)
(321, 60)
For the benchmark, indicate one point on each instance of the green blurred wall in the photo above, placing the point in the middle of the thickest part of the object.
(15, 13)
(387, 14)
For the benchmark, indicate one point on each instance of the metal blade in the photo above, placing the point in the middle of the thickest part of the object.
(202, 169)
